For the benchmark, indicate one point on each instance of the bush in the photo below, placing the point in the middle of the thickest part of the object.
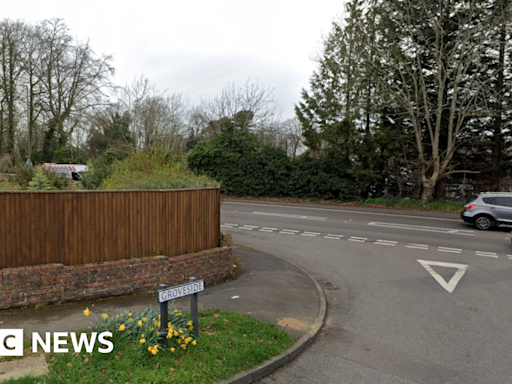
(246, 167)
(156, 170)
(101, 168)
(22, 176)
(39, 182)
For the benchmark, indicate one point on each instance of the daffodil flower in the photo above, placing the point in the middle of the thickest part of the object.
(87, 312)
(122, 327)
(142, 341)
(105, 316)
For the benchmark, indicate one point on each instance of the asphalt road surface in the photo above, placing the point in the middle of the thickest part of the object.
(411, 299)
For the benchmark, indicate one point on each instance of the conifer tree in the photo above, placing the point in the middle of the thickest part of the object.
(39, 182)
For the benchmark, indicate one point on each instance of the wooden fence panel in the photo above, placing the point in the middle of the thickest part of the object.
(79, 227)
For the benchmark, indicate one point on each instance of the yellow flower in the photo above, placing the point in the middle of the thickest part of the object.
(144, 319)
(130, 320)
(176, 333)
(176, 311)
(178, 314)
(151, 328)
(184, 346)
(129, 313)
(194, 342)
(158, 317)
(122, 327)
(190, 323)
(142, 341)
(149, 349)
(154, 351)
(142, 336)
(191, 328)
(179, 341)
(173, 350)
(87, 312)
(139, 323)
(180, 331)
(105, 316)
(169, 325)
(158, 324)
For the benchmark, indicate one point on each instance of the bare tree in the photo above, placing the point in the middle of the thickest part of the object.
(158, 118)
(293, 131)
(252, 97)
(430, 57)
(72, 79)
(11, 37)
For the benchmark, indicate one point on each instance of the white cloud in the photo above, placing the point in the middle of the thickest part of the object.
(197, 47)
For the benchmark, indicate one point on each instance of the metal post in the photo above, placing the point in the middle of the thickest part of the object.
(193, 309)
(163, 315)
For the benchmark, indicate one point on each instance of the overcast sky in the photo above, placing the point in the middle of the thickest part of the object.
(198, 47)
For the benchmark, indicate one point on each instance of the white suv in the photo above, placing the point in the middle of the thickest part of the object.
(487, 210)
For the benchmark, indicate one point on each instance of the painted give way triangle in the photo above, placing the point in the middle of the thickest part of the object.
(450, 285)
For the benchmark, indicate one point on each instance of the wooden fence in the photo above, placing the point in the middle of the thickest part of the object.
(79, 227)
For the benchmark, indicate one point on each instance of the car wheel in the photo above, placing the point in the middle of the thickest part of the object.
(484, 223)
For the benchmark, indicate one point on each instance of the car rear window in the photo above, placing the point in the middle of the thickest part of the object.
(472, 199)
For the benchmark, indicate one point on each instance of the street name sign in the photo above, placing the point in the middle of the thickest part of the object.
(178, 291)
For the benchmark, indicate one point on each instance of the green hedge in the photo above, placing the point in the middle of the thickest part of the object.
(246, 167)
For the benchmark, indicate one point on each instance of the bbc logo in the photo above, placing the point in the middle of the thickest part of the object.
(11, 342)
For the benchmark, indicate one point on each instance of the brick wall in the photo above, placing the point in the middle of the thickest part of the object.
(56, 283)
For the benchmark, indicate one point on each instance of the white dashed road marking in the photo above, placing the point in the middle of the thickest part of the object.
(389, 243)
(335, 237)
(386, 242)
(486, 254)
(293, 216)
(289, 231)
(450, 250)
(358, 239)
(424, 229)
(417, 246)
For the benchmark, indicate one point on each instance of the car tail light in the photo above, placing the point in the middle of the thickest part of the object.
(469, 206)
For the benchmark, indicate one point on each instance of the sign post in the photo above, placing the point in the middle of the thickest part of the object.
(193, 309)
(193, 287)
(164, 311)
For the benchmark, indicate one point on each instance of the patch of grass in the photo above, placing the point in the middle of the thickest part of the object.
(416, 205)
(228, 343)
(391, 203)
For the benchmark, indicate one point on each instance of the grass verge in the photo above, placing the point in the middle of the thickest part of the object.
(389, 203)
(228, 344)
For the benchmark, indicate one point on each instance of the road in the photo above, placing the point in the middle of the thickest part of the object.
(411, 299)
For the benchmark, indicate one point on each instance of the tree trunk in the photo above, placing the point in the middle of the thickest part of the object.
(428, 190)
(440, 193)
